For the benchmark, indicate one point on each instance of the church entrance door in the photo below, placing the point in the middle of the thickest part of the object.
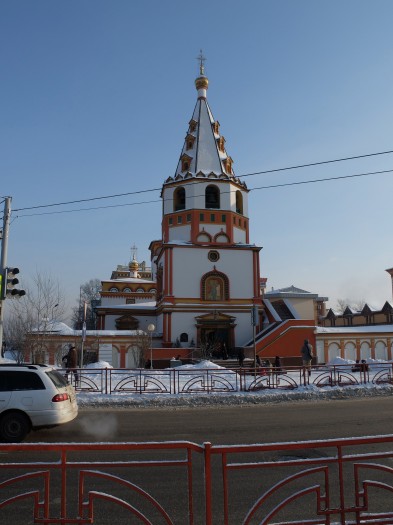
(217, 340)
(216, 331)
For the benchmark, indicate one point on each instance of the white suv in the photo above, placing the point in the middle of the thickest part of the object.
(33, 396)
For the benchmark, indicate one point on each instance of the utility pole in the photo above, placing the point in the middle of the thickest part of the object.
(3, 259)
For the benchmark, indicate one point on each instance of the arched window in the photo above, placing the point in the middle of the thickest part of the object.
(204, 237)
(212, 197)
(215, 286)
(381, 351)
(113, 289)
(221, 237)
(365, 350)
(179, 199)
(184, 337)
(350, 351)
(127, 290)
(239, 202)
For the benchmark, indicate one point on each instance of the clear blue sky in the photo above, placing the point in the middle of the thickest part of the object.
(96, 97)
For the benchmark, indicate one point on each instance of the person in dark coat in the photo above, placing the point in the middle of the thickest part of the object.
(307, 355)
(70, 361)
(277, 365)
(240, 356)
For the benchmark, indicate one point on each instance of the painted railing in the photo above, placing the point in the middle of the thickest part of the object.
(341, 481)
(205, 380)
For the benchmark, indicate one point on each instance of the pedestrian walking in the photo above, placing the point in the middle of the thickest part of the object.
(70, 361)
(307, 356)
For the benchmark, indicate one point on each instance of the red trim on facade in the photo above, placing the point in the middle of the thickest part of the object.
(196, 225)
(165, 276)
(171, 271)
(255, 274)
(170, 326)
(164, 327)
(165, 229)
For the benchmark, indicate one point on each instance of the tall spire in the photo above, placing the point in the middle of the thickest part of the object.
(201, 59)
(202, 82)
(204, 153)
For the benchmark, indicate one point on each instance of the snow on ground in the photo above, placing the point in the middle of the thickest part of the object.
(310, 393)
(219, 399)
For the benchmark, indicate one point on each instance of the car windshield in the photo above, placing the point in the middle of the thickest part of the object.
(57, 379)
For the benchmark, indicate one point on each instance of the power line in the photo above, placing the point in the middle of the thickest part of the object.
(316, 163)
(265, 172)
(88, 200)
(271, 186)
(87, 209)
(313, 181)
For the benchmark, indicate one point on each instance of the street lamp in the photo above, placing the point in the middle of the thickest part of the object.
(53, 307)
(151, 329)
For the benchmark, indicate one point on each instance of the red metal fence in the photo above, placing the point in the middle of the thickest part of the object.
(205, 380)
(347, 481)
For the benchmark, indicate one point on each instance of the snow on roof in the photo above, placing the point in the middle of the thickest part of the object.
(53, 326)
(129, 280)
(371, 307)
(148, 305)
(378, 328)
(289, 289)
(333, 311)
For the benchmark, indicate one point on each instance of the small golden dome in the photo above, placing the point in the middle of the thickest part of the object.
(133, 265)
(202, 82)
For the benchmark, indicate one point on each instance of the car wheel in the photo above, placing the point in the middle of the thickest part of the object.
(14, 427)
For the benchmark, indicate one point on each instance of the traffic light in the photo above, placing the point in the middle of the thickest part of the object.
(9, 281)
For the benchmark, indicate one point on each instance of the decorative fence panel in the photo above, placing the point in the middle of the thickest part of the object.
(348, 481)
(212, 380)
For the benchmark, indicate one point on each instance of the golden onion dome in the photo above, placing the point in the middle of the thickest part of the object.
(134, 265)
(201, 82)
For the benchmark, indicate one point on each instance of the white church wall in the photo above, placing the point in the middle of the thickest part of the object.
(184, 322)
(238, 266)
(239, 236)
(194, 263)
(195, 195)
(244, 330)
(232, 198)
(180, 233)
(168, 200)
(111, 301)
(213, 229)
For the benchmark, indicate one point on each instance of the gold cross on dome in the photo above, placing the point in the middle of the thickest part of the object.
(201, 59)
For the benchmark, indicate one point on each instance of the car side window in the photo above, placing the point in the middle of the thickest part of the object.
(3, 381)
(20, 380)
(57, 379)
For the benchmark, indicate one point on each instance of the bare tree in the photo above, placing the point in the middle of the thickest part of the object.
(354, 304)
(89, 294)
(33, 314)
(141, 348)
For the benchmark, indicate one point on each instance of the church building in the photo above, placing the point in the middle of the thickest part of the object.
(194, 294)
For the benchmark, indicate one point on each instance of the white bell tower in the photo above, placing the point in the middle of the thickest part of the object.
(207, 270)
